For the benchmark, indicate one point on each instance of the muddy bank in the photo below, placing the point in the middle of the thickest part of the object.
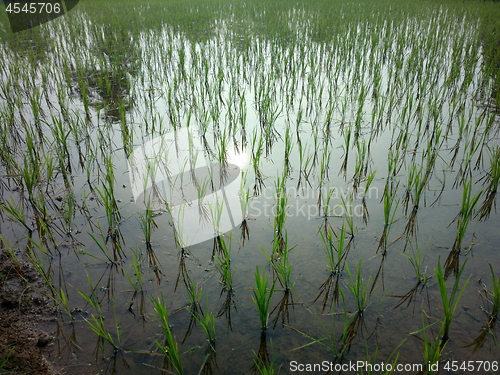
(23, 310)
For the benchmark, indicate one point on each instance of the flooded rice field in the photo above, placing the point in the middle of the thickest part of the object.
(237, 187)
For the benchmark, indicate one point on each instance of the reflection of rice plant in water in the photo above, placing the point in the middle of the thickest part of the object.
(262, 362)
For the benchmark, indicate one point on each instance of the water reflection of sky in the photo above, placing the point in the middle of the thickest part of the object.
(171, 173)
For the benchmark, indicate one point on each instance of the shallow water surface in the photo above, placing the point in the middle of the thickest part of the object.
(145, 163)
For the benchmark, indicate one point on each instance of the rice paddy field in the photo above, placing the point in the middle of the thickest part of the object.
(230, 187)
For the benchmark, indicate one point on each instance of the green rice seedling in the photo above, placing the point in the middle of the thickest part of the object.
(348, 215)
(323, 172)
(179, 229)
(414, 176)
(49, 168)
(288, 149)
(262, 296)
(147, 223)
(223, 264)
(360, 164)
(331, 340)
(91, 299)
(390, 365)
(202, 189)
(495, 294)
(216, 213)
(393, 162)
(358, 289)
(136, 265)
(335, 254)
(15, 213)
(243, 114)
(418, 181)
(170, 348)
(98, 326)
(6, 359)
(466, 213)
(280, 262)
(368, 183)
(389, 197)
(69, 211)
(193, 292)
(417, 263)
(112, 259)
(38, 262)
(244, 195)
(347, 132)
(60, 135)
(465, 167)
(31, 175)
(494, 181)
(207, 322)
(13, 256)
(449, 302)
(369, 180)
(257, 148)
(327, 210)
(433, 348)
(222, 148)
(111, 208)
(281, 205)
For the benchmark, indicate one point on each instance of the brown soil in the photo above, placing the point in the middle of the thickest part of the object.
(23, 309)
